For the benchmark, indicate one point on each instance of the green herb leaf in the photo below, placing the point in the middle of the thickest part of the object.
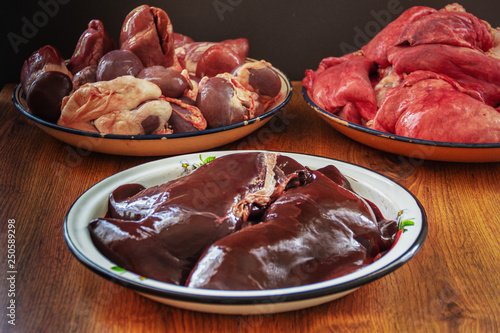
(406, 223)
(203, 161)
(403, 224)
(118, 269)
(208, 159)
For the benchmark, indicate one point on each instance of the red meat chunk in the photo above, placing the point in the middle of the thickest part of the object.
(471, 68)
(310, 234)
(376, 49)
(161, 231)
(448, 27)
(433, 107)
(344, 83)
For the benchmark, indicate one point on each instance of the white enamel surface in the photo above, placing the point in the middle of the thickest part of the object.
(386, 194)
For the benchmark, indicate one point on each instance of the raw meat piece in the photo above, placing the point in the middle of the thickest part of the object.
(186, 117)
(118, 63)
(376, 49)
(148, 118)
(46, 94)
(338, 178)
(94, 100)
(433, 107)
(344, 83)
(92, 45)
(451, 26)
(45, 59)
(160, 232)
(471, 68)
(181, 40)
(260, 78)
(208, 55)
(218, 59)
(224, 101)
(172, 83)
(86, 75)
(148, 32)
(311, 233)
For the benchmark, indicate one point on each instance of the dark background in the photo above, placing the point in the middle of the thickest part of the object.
(293, 35)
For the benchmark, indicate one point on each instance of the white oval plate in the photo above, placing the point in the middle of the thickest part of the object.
(390, 197)
(157, 144)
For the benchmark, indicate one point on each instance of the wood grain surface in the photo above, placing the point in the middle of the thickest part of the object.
(451, 285)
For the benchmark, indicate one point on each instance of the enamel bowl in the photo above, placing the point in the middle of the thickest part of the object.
(414, 148)
(394, 201)
(156, 144)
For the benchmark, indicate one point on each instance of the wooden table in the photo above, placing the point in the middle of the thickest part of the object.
(452, 284)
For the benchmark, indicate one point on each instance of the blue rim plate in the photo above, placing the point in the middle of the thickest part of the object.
(156, 144)
(390, 197)
(410, 147)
